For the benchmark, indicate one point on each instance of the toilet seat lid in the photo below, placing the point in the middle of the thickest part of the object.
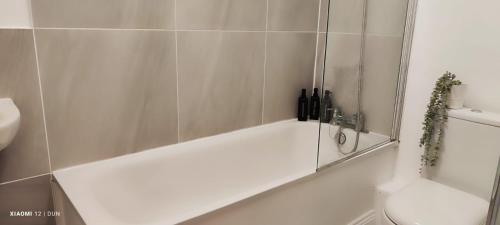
(425, 202)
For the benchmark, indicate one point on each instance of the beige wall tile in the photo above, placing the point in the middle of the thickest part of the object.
(27, 195)
(380, 81)
(290, 67)
(293, 15)
(107, 93)
(220, 82)
(320, 60)
(104, 14)
(387, 17)
(341, 69)
(324, 14)
(345, 16)
(27, 155)
(221, 14)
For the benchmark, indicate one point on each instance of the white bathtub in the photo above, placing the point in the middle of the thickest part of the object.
(172, 184)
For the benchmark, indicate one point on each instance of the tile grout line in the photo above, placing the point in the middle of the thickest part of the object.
(208, 30)
(177, 73)
(24, 178)
(265, 63)
(359, 34)
(16, 28)
(41, 90)
(251, 31)
(51, 175)
(102, 29)
(170, 30)
(315, 71)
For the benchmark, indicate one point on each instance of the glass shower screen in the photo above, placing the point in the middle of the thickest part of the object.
(361, 48)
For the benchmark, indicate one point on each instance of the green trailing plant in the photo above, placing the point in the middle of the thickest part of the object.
(435, 119)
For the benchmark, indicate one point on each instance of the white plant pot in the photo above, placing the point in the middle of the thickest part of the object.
(457, 97)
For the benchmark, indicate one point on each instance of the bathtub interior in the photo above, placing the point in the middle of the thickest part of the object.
(175, 183)
(331, 151)
(209, 177)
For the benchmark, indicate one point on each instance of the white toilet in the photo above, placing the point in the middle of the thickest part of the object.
(426, 202)
(461, 182)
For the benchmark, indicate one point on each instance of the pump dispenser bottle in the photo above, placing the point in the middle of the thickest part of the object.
(315, 105)
(326, 107)
(303, 107)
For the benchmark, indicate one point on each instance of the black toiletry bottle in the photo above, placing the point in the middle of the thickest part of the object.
(326, 108)
(303, 107)
(314, 109)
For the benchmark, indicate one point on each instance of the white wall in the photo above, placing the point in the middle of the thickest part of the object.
(461, 36)
(15, 14)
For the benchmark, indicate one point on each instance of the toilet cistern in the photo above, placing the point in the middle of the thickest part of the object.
(10, 118)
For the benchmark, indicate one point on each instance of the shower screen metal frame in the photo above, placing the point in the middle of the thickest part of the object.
(411, 12)
(494, 208)
(403, 68)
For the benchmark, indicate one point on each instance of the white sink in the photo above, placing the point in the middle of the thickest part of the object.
(9, 121)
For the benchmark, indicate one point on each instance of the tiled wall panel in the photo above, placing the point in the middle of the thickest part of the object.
(107, 93)
(221, 77)
(293, 15)
(289, 68)
(95, 76)
(32, 195)
(27, 155)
